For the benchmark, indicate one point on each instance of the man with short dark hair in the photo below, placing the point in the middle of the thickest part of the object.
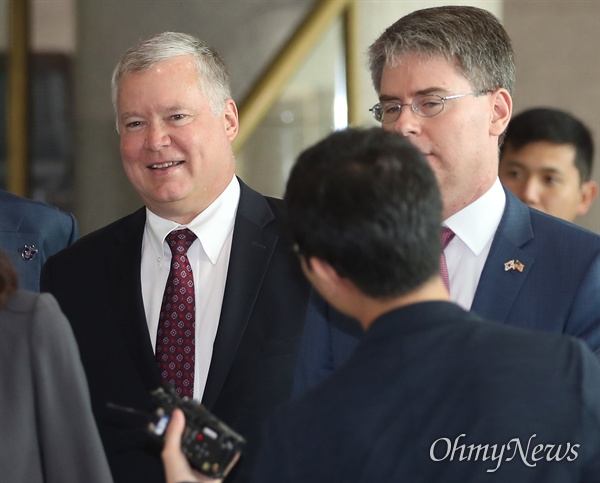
(432, 393)
(546, 161)
(444, 77)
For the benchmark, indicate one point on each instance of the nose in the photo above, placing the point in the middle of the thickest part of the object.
(157, 137)
(530, 192)
(407, 124)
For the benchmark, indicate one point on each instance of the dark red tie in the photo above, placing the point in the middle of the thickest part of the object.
(175, 339)
(447, 235)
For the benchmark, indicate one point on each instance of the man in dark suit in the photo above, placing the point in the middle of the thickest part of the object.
(176, 120)
(546, 161)
(30, 232)
(432, 393)
(444, 77)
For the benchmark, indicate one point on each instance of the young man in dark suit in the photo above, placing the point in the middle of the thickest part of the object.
(30, 232)
(444, 77)
(239, 339)
(546, 160)
(432, 393)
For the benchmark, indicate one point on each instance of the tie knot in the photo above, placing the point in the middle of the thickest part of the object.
(447, 235)
(180, 240)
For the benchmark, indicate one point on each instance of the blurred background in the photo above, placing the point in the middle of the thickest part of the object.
(297, 67)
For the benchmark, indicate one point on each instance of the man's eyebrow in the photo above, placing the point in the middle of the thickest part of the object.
(127, 115)
(519, 164)
(513, 163)
(384, 98)
(422, 92)
(174, 108)
(550, 170)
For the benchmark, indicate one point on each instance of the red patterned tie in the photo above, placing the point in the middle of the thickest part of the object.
(175, 340)
(447, 235)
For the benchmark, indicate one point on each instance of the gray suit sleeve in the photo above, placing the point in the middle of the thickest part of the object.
(68, 438)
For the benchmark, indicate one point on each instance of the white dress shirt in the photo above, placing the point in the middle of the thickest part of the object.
(474, 227)
(209, 258)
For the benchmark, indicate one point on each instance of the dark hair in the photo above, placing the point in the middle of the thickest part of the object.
(367, 203)
(555, 126)
(471, 37)
(8, 279)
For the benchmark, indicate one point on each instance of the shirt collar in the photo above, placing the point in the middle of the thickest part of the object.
(477, 222)
(212, 226)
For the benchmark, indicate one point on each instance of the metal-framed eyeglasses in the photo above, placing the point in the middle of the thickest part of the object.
(425, 106)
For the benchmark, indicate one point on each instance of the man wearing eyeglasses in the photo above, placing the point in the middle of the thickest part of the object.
(444, 77)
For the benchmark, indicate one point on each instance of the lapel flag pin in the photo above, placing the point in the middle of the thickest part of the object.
(29, 251)
(513, 265)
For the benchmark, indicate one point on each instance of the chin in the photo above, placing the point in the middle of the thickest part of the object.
(432, 160)
(164, 199)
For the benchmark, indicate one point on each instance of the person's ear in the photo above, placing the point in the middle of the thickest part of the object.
(501, 111)
(322, 276)
(231, 119)
(589, 191)
(323, 271)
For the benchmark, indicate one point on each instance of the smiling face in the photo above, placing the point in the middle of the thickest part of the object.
(461, 142)
(543, 175)
(176, 153)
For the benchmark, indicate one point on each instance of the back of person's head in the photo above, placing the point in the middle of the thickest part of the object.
(472, 38)
(554, 126)
(8, 279)
(213, 76)
(367, 203)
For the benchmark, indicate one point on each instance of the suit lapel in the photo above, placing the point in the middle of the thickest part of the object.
(500, 284)
(127, 294)
(251, 251)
